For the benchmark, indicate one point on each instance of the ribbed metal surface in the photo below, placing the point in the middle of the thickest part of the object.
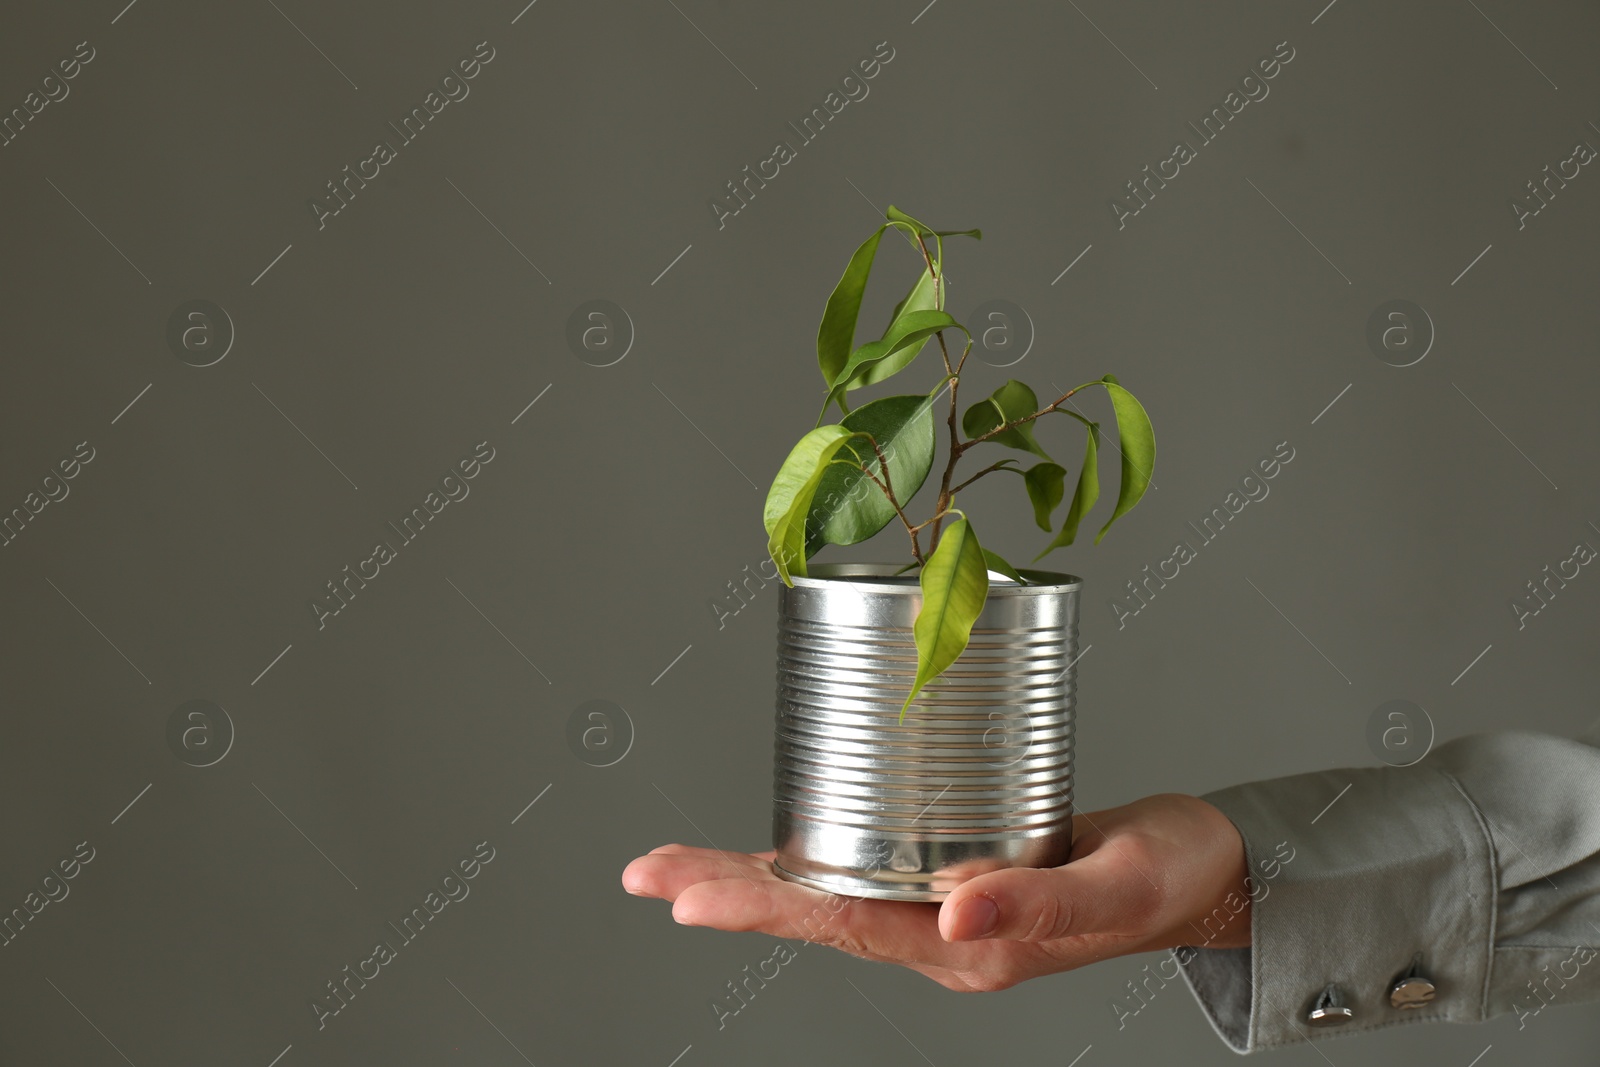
(978, 777)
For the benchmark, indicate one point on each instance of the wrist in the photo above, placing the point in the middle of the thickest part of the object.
(1217, 912)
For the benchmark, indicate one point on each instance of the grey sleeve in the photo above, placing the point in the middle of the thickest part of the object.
(1484, 857)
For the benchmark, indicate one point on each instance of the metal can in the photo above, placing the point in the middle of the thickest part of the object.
(977, 778)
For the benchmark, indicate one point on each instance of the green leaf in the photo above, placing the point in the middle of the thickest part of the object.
(926, 304)
(1137, 439)
(907, 331)
(848, 507)
(1083, 497)
(922, 230)
(894, 214)
(1046, 484)
(836, 335)
(955, 584)
(1011, 401)
(996, 563)
(789, 499)
(920, 298)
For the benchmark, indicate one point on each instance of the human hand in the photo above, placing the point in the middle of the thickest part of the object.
(1140, 877)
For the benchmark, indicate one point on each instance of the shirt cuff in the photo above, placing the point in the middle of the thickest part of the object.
(1353, 873)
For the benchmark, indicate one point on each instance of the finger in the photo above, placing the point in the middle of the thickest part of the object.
(744, 904)
(667, 874)
(879, 930)
(690, 850)
(1102, 893)
(894, 931)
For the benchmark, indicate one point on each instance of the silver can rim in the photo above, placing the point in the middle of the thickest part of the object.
(882, 578)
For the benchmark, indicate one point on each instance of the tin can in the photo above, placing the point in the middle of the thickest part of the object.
(977, 778)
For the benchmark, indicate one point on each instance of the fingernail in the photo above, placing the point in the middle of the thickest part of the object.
(978, 917)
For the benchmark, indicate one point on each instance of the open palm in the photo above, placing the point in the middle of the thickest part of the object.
(1143, 876)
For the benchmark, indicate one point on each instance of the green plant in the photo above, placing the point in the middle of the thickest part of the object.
(843, 482)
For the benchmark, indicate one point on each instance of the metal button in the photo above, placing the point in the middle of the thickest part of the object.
(1330, 1009)
(1412, 989)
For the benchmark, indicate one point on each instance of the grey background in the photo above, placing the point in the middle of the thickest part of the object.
(415, 724)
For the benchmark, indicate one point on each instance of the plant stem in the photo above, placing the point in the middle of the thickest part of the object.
(916, 547)
(883, 464)
(948, 495)
(1047, 409)
(955, 441)
(959, 447)
(1001, 466)
(940, 516)
(945, 494)
(937, 303)
(962, 362)
(887, 485)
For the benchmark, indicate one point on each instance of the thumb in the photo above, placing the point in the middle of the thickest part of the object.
(1087, 896)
